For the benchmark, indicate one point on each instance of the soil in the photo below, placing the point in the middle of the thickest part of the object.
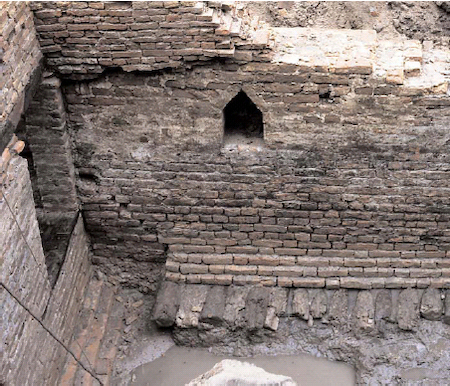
(421, 20)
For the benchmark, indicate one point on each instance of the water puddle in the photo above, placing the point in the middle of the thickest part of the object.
(179, 365)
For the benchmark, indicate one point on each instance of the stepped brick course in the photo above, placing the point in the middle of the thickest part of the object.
(81, 39)
(339, 231)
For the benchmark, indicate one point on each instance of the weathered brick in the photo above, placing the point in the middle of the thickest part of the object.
(242, 250)
(223, 279)
(332, 271)
(288, 271)
(193, 269)
(217, 259)
(241, 269)
(264, 260)
(308, 282)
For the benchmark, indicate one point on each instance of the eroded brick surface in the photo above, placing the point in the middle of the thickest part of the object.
(24, 272)
(20, 63)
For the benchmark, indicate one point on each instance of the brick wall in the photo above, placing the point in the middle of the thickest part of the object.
(66, 300)
(321, 204)
(348, 189)
(20, 59)
(31, 355)
(81, 39)
(50, 146)
(24, 274)
(297, 113)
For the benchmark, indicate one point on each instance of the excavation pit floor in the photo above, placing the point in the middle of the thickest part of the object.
(179, 365)
(131, 351)
(148, 356)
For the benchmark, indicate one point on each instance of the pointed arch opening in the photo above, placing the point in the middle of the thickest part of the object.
(242, 119)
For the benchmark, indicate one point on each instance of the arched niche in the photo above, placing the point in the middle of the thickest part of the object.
(242, 119)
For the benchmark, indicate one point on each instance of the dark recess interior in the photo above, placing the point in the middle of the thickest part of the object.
(242, 117)
(28, 155)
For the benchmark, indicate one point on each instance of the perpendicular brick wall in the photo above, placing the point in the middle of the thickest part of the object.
(50, 145)
(20, 61)
(30, 355)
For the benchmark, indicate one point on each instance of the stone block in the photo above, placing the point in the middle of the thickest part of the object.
(338, 306)
(233, 372)
(277, 306)
(300, 304)
(234, 313)
(447, 307)
(431, 306)
(383, 306)
(192, 298)
(256, 307)
(364, 311)
(408, 309)
(167, 303)
(214, 307)
(319, 303)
